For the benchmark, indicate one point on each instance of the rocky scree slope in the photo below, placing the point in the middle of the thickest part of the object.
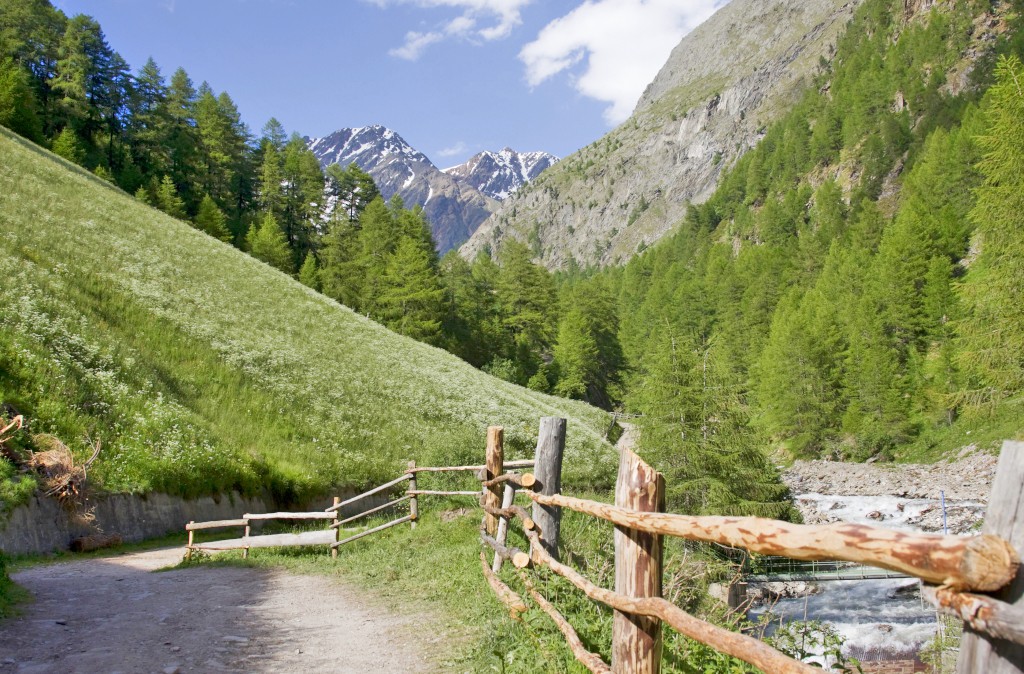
(721, 87)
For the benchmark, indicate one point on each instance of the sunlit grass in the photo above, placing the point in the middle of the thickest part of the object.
(203, 370)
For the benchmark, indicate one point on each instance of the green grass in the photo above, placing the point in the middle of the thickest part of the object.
(11, 594)
(203, 370)
(434, 572)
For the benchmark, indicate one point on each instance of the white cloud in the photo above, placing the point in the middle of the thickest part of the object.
(623, 42)
(457, 149)
(501, 16)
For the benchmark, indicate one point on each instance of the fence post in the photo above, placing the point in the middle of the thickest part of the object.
(495, 467)
(1005, 517)
(337, 529)
(506, 501)
(636, 640)
(414, 506)
(245, 534)
(188, 550)
(547, 469)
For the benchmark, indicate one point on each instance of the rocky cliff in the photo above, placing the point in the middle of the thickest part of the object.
(723, 84)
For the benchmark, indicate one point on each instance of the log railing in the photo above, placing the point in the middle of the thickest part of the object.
(960, 569)
(332, 535)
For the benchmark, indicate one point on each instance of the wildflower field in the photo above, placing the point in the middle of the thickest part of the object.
(202, 370)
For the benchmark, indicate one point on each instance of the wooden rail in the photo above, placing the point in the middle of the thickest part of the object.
(983, 563)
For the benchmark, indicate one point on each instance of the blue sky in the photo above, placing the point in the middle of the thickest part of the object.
(453, 77)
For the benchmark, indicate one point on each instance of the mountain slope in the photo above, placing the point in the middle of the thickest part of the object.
(500, 174)
(204, 370)
(454, 209)
(723, 84)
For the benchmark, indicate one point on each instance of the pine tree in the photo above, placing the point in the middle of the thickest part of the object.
(411, 297)
(68, 145)
(352, 189)
(167, 199)
(18, 107)
(211, 220)
(266, 242)
(575, 355)
(992, 331)
(309, 273)
(527, 304)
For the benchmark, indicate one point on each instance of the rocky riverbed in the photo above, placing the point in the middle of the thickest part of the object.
(904, 496)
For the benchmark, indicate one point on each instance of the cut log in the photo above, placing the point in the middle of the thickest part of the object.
(215, 524)
(636, 639)
(318, 515)
(591, 661)
(506, 501)
(414, 503)
(388, 525)
(981, 651)
(983, 614)
(523, 480)
(980, 563)
(520, 463)
(512, 601)
(548, 470)
(374, 510)
(514, 511)
(325, 537)
(375, 490)
(741, 646)
(495, 467)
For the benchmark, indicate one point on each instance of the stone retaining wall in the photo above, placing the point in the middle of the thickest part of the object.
(42, 526)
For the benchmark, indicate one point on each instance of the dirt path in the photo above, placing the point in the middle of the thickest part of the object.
(114, 615)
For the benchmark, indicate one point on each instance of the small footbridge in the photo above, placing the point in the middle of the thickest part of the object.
(770, 569)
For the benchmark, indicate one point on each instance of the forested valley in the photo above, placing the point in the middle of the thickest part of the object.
(851, 290)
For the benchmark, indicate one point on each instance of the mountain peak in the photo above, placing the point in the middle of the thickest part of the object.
(500, 174)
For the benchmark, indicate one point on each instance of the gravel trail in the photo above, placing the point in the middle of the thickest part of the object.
(115, 615)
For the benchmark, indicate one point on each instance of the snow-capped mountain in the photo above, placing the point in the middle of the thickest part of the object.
(500, 174)
(453, 209)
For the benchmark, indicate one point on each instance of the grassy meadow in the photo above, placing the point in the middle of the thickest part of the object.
(203, 370)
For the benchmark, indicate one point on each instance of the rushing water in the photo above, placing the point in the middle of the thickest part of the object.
(877, 619)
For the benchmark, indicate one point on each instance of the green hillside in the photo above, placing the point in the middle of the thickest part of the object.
(203, 370)
(852, 288)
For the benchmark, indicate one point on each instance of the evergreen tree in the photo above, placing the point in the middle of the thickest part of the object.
(211, 220)
(992, 332)
(527, 305)
(267, 242)
(411, 301)
(309, 273)
(352, 189)
(18, 107)
(167, 199)
(68, 145)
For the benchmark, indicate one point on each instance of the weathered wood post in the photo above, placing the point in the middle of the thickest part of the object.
(1005, 517)
(495, 467)
(636, 640)
(414, 506)
(547, 468)
(337, 528)
(245, 550)
(506, 501)
(188, 550)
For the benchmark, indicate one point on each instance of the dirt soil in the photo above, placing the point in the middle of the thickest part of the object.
(115, 615)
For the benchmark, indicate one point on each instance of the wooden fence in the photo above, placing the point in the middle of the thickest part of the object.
(976, 577)
(332, 534)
